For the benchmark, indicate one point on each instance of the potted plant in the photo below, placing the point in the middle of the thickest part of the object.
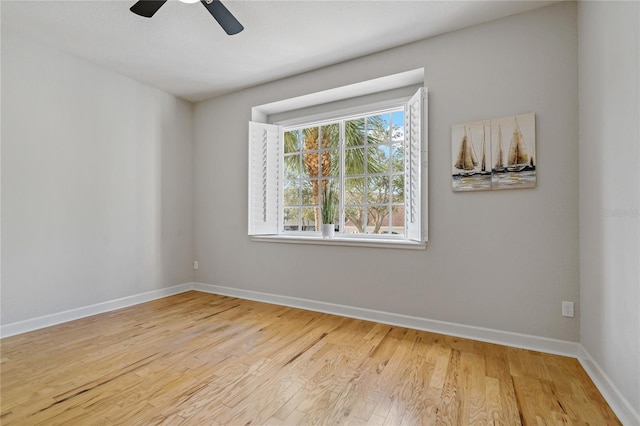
(328, 211)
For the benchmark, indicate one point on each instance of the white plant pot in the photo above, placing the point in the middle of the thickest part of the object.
(328, 230)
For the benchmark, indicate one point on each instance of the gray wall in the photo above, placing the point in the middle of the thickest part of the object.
(97, 174)
(610, 190)
(503, 260)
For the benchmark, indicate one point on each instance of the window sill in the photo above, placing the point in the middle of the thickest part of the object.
(342, 241)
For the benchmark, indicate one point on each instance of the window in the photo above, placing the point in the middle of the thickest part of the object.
(362, 159)
(372, 162)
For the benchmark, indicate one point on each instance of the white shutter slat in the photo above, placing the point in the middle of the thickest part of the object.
(264, 178)
(413, 166)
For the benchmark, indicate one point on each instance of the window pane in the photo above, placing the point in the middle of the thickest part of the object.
(331, 135)
(354, 161)
(397, 159)
(377, 189)
(378, 129)
(309, 192)
(397, 189)
(309, 219)
(310, 139)
(292, 141)
(354, 191)
(330, 183)
(331, 163)
(310, 166)
(397, 129)
(397, 220)
(378, 159)
(354, 220)
(291, 216)
(377, 219)
(292, 166)
(354, 132)
(291, 193)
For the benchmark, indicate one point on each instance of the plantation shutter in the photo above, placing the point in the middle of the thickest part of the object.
(412, 167)
(264, 178)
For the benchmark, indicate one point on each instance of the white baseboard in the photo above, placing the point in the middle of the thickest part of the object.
(85, 311)
(618, 403)
(518, 340)
(542, 344)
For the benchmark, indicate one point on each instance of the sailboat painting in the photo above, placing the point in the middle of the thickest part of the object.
(513, 147)
(494, 154)
(471, 156)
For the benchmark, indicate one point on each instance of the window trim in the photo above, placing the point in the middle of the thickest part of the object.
(377, 241)
(416, 143)
(323, 118)
(412, 77)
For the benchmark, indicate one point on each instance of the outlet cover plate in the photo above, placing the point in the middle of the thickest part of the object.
(567, 309)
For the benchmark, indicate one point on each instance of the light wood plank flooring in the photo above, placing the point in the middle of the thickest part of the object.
(202, 359)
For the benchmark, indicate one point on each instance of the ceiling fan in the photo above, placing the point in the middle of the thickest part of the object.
(227, 21)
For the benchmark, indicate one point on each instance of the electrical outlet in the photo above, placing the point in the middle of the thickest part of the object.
(567, 309)
(195, 264)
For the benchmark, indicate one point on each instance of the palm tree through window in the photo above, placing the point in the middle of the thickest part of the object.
(361, 158)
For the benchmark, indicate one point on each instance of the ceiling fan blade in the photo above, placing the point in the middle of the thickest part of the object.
(147, 8)
(227, 21)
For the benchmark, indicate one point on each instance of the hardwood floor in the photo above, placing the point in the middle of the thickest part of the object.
(203, 359)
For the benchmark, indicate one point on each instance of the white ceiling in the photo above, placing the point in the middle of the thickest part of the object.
(183, 51)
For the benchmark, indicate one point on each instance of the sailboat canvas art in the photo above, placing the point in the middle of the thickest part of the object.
(471, 156)
(513, 146)
(494, 154)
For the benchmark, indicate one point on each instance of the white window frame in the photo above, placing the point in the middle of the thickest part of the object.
(266, 159)
(341, 119)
